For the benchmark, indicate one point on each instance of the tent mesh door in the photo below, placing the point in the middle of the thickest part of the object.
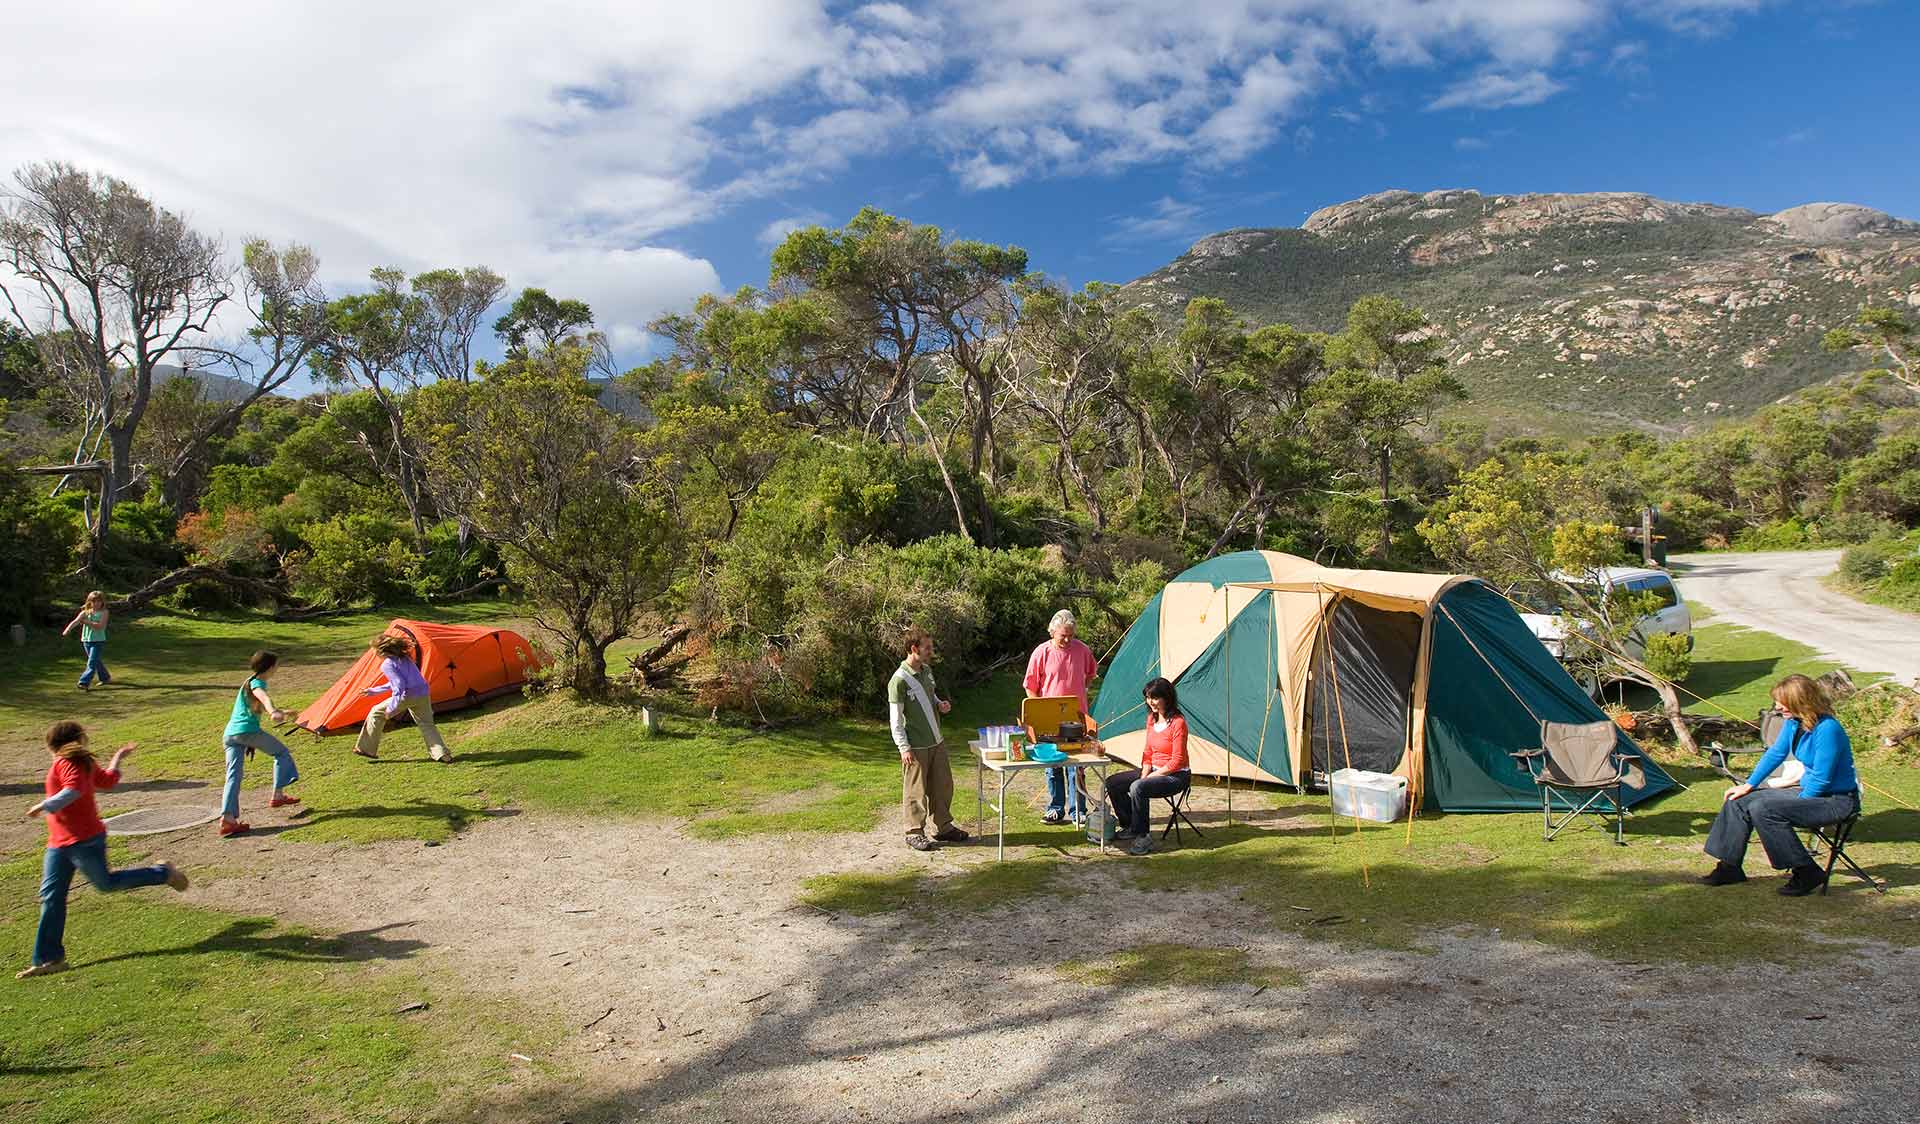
(1361, 689)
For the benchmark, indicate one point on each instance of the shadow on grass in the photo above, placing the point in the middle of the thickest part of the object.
(256, 936)
(42, 1070)
(496, 758)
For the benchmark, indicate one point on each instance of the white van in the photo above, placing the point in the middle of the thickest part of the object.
(1672, 615)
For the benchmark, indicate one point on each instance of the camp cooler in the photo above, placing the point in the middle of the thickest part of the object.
(1381, 797)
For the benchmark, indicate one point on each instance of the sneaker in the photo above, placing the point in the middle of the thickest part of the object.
(233, 827)
(47, 969)
(1124, 834)
(176, 877)
(1054, 815)
(82, 686)
(1724, 874)
(1805, 880)
(282, 801)
(439, 753)
(922, 843)
(358, 752)
(955, 834)
(1141, 845)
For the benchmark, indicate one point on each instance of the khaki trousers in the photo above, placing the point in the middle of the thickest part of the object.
(926, 790)
(421, 707)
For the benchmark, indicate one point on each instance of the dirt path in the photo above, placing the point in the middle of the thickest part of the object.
(1782, 593)
(732, 1002)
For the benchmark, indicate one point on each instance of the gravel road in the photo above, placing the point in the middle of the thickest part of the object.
(1781, 592)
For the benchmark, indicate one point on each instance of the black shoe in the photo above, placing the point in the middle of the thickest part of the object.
(922, 843)
(1054, 817)
(1724, 874)
(1805, 880)
(953, 835)
(1141, 845)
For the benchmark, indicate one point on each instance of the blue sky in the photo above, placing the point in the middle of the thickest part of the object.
(638, 155)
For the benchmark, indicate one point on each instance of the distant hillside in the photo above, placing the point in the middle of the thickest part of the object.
(1572, 310)
(214, 387)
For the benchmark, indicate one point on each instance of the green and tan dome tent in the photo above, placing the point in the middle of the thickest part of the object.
(1289, 670)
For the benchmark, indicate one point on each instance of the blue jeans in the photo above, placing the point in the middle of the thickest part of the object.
(96, 666)
(89, 857)
(1063, 797)
(1129, 794)
(284, 773)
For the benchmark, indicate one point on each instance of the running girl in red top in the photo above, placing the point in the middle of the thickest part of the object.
(77, 840)
(1163, 770)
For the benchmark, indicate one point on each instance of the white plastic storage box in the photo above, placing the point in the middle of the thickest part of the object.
(1381, 797)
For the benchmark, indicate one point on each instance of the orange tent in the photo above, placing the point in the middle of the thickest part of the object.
(463, 664)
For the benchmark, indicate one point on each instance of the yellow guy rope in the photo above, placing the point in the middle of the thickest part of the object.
(1346, 748)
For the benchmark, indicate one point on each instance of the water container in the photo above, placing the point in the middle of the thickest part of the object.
(1381, 797)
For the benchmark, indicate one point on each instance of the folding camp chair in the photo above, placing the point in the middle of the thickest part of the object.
(1833, 838)
(1177, 813)
(1770, 720)
(1581, 759)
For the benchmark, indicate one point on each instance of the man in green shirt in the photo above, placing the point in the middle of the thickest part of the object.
(914, 707)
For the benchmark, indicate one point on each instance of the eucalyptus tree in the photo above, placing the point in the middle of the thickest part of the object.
(115, 289)
(1387, 376)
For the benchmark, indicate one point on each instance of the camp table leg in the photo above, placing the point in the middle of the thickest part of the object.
(1000, 838)
(979, 795)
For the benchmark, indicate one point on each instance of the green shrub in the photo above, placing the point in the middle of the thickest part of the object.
(448, 566)
(353, 559)
(37, 541)
(1784, 534)
(1869, 562)
(1669, 656)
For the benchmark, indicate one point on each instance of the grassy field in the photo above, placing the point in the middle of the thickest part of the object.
(178, 1013)
(175, 679)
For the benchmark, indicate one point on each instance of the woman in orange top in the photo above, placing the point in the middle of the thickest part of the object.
(1163, 767)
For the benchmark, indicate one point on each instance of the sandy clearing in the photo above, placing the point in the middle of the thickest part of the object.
(732, 1002)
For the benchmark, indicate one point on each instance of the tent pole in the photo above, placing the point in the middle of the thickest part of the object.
(1229, 705)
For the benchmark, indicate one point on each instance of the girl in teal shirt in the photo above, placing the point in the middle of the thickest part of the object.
(92, 621)
(244, 735)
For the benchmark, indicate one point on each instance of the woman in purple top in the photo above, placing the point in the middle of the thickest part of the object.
(409, 693)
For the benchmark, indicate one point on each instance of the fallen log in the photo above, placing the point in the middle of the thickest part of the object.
(185, 575)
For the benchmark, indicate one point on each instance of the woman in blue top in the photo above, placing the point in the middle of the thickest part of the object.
(1827, 792)
(244, 735)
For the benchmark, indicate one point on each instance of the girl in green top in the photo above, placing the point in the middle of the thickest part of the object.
(92, 619)
(244, 735)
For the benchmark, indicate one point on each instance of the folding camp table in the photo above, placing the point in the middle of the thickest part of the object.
(1005, 770)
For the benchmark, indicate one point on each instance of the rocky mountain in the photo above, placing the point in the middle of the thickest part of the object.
(1577, 311)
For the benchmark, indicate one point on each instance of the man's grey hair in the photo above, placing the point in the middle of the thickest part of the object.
(1061, 619)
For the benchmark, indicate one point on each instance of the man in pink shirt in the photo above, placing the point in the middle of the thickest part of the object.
(1059, 668)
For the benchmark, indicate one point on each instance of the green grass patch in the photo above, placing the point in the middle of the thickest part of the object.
(1735, 668)
(174, 1014)
(974, 890)
(175, 677)
(1178, 965)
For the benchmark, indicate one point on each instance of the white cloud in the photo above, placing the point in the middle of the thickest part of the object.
(1489, 90)
(1470, 144)
(776, 232)
(1170, 220)
(429, 133)
(979, 173)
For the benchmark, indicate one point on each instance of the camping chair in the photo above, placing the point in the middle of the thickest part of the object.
(1833, 838)
(1576, 759)
(1177, 812)
(1770, 720)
